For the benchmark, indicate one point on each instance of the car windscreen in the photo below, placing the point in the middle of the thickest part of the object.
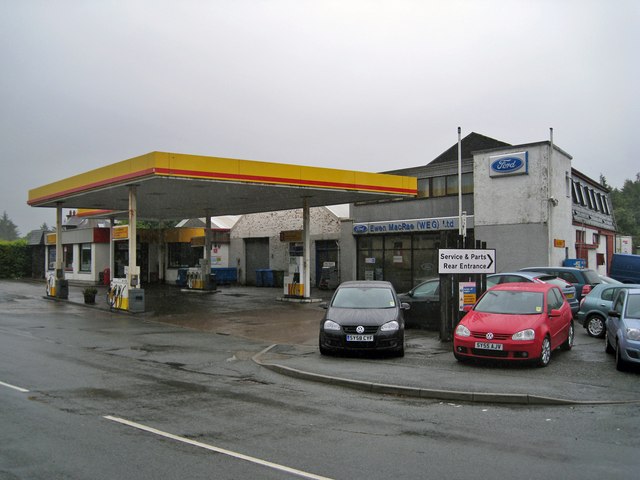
(363, 297)
(633, 306)
(511, 302)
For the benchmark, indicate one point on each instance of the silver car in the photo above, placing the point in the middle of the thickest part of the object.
(567, 289)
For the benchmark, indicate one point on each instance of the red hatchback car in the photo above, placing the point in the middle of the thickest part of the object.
(516, 321)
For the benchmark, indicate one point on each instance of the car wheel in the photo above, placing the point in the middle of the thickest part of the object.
(569, 342)
(607, 346)
(595, 326)
(545, 354)
(621, 365)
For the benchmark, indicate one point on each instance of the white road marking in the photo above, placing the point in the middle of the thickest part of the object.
(23, 390)
(223, 451)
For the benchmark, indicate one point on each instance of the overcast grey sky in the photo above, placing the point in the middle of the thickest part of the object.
(362, 85)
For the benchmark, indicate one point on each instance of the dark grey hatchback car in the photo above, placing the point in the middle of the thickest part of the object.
(363, 316)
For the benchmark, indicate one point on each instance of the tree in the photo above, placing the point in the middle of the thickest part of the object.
(626, 208)
(44, 227)
(8, 229)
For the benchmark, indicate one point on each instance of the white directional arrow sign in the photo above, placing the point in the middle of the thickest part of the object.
(466, 261)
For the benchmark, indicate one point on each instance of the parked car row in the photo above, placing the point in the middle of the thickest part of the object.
(523, 316)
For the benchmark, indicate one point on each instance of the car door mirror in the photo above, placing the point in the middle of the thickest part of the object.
(405, 306)
(555, 313)
(324, 305)
(615, 314)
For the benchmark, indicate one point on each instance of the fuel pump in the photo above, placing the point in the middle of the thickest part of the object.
(194, 278)
(51, 284)
(117, 295)
(293, 286)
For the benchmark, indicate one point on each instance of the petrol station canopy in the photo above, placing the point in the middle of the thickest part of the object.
(176, 186)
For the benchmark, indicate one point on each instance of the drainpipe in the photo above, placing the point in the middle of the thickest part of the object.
(549, 202)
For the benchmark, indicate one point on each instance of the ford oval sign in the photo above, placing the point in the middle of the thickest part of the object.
(360, 229)
(507, 165)
(513, 164)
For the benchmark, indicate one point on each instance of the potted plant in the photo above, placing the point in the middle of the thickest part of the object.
(90, 294)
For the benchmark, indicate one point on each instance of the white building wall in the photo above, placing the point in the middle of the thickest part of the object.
(511, 213)
(324, 225)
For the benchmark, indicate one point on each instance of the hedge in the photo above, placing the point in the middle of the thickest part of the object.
(15, 259)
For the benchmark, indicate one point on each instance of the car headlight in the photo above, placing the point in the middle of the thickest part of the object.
(331, 325)
(528, 334)
(390, 326)
(633, 334)
(462, 331)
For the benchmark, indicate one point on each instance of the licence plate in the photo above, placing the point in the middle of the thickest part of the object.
(489, 346)
(359, 338)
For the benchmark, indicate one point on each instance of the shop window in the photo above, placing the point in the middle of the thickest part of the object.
(423, 188)
(184, 255)
(85, 257)
(452, 184)
(467, 183)
(67, 257)
(439, 186)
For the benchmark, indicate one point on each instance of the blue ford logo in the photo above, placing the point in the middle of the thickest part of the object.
(507, 165)
(360, 229)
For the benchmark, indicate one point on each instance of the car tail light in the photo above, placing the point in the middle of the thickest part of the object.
(586, 289)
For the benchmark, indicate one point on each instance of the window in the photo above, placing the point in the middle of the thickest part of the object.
(554, 300)
(605, 204)
(439, 186)
(609, 293)
(51, 263)
(467, 183)
(568, 276)
(423, 188)
(452, 184)
(85, 257)
(596, 239)
(67, 257)
(580, 236)
(617, 306)
(574, 193)
(588, 193)
(592, 197)
(184, 255)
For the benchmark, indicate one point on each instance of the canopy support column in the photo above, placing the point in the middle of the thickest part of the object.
(136, 294)
(61, 285)
(306, 238)
(206, 268)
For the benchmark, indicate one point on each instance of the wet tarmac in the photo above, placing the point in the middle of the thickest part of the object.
(584, 375)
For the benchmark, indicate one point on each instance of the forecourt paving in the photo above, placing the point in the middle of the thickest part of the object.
(289, 333)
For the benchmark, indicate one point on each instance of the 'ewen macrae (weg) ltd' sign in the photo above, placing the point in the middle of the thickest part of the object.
(466, 261)
(416, 225)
